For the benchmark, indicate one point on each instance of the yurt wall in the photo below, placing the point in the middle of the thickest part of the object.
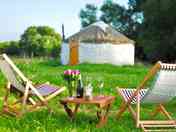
(65, 53)
(121, 54)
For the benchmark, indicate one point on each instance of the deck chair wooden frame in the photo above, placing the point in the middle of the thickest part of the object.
(27, 97)
(147, 125)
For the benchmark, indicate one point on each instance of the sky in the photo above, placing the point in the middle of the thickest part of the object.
(17, 15)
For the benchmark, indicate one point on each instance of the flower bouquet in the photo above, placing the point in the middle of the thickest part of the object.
(71, 76)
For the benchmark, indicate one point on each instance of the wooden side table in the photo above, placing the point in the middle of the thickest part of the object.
(102, 102)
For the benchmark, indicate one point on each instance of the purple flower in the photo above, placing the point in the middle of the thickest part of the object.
(71, 75)
(68, 72)
(65, 72)
(73, 72)
(77, 72)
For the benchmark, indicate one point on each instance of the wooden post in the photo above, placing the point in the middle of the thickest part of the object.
(5, 103)
(164, 111)
(138, 110)
(25, 98)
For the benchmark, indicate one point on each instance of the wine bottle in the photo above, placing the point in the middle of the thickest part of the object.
(80, 89)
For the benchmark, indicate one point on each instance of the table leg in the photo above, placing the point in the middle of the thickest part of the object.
(71, 113)
(102, 115)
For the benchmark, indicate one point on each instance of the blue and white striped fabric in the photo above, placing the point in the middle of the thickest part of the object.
(127, 93)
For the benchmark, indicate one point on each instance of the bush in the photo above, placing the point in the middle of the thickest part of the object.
(55, 52)
(13, 48)
(10, 47)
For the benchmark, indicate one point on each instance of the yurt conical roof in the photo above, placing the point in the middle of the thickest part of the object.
(100, 32)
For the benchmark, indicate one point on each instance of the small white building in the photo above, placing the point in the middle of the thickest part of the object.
(98, 43)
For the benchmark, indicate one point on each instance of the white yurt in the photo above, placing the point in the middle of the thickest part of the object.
(98, 43)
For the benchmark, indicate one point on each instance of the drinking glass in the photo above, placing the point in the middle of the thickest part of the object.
(88, 80)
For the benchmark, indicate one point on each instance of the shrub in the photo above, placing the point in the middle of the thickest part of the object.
(10, 47)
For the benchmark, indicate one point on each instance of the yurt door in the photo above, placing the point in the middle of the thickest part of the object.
(74, 52)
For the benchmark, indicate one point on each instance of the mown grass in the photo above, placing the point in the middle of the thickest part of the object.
(41, 70)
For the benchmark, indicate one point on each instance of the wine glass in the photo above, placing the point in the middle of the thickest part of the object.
(87, 80)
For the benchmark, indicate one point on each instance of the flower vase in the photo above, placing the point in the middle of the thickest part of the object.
(71, 77)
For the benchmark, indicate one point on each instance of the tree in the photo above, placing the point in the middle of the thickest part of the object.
(39, 40)
(136, 5)
(136, 12)
(158, 34)
(113, 14)
(88, 15)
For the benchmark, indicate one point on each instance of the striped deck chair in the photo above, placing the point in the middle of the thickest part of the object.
(29, 97)
(162, 90)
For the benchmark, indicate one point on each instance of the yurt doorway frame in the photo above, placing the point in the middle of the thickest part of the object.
(74, 52)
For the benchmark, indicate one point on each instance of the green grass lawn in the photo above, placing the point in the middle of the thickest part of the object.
(40, 71)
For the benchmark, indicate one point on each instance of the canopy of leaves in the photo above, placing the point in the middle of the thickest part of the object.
(88, 15)
(158, 33)
(39, 40)
(111, 13)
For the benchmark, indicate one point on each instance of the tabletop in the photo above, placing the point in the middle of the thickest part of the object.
(100, 100)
